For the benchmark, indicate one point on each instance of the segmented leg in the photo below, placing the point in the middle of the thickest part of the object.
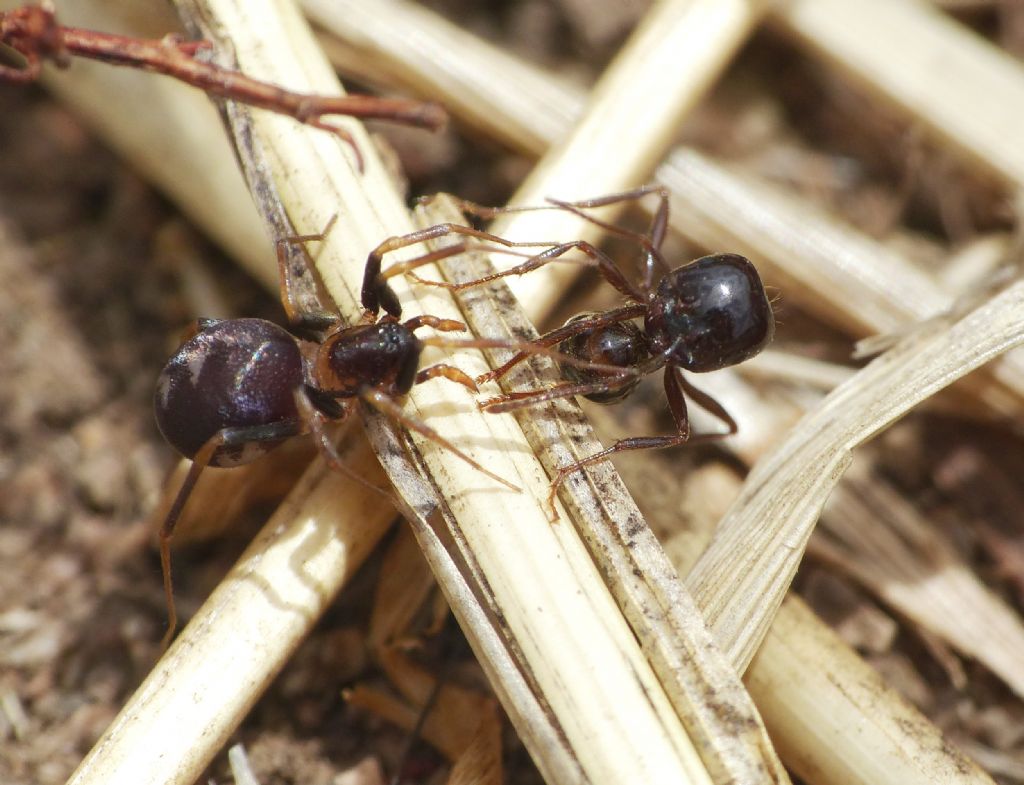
(675, 385)
(302, 308)
(226, 437)
(384, 404)
(376, 294)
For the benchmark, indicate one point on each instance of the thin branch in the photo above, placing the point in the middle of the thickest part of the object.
(33, 32)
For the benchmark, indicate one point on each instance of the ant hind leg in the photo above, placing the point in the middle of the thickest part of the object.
(675, 385)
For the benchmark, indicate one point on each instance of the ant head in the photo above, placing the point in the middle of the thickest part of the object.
(710, 314)
(382, 356)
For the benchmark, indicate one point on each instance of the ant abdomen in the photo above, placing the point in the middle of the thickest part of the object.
(622, 344)
(710, 314)
(239, 373)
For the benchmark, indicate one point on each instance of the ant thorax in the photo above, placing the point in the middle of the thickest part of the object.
(621, 344)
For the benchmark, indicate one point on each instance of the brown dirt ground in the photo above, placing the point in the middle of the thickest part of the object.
(90, 308)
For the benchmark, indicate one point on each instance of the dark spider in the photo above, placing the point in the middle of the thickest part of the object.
(237, 388)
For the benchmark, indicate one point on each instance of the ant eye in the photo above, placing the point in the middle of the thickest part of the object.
(711, 313)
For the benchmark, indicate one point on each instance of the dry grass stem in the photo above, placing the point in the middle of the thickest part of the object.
(414, 46)
(946, 78)
(920, 573)
(817, 694)
(886, 544)
(644, 584)
(209, 679)
(751, 562)
(836, 272)
(580, 642)
(882, 540)
(642, 97)
(830, 716)
(177, 142)
(659, 75)
(908, 749)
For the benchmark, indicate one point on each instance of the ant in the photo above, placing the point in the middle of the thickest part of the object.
(705, 315)
(237, 388)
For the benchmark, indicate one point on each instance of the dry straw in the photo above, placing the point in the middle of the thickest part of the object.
(571, 650)
(854, 733)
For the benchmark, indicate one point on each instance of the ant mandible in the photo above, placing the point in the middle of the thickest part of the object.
(237, 388)
(705, 315)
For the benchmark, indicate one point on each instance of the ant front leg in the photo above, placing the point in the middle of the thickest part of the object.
(449, 372)
(576, 327)
(604, 263)
(376, 293)
(651, 241)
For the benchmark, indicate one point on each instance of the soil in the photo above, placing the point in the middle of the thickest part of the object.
(92, 303)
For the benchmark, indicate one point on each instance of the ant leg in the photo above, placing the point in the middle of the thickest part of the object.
(709, 404)
(315, 421)
(376, 294)
(566, 331)
(527, 348)
(531, 349)
(442, 325)
(301, 315)
(675, 384)
(388, 407)
(509, 402)
(226, 437)
(605, 264)
(406, 267)
(486, 212)
(651, 241)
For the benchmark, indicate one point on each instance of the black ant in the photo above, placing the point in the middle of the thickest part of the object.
(237, 388)
(708, 314)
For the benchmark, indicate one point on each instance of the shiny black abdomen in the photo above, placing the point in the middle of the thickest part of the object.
(235, 373)
(710, 314)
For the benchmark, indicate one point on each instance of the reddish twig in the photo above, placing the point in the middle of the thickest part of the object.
(34, 32)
